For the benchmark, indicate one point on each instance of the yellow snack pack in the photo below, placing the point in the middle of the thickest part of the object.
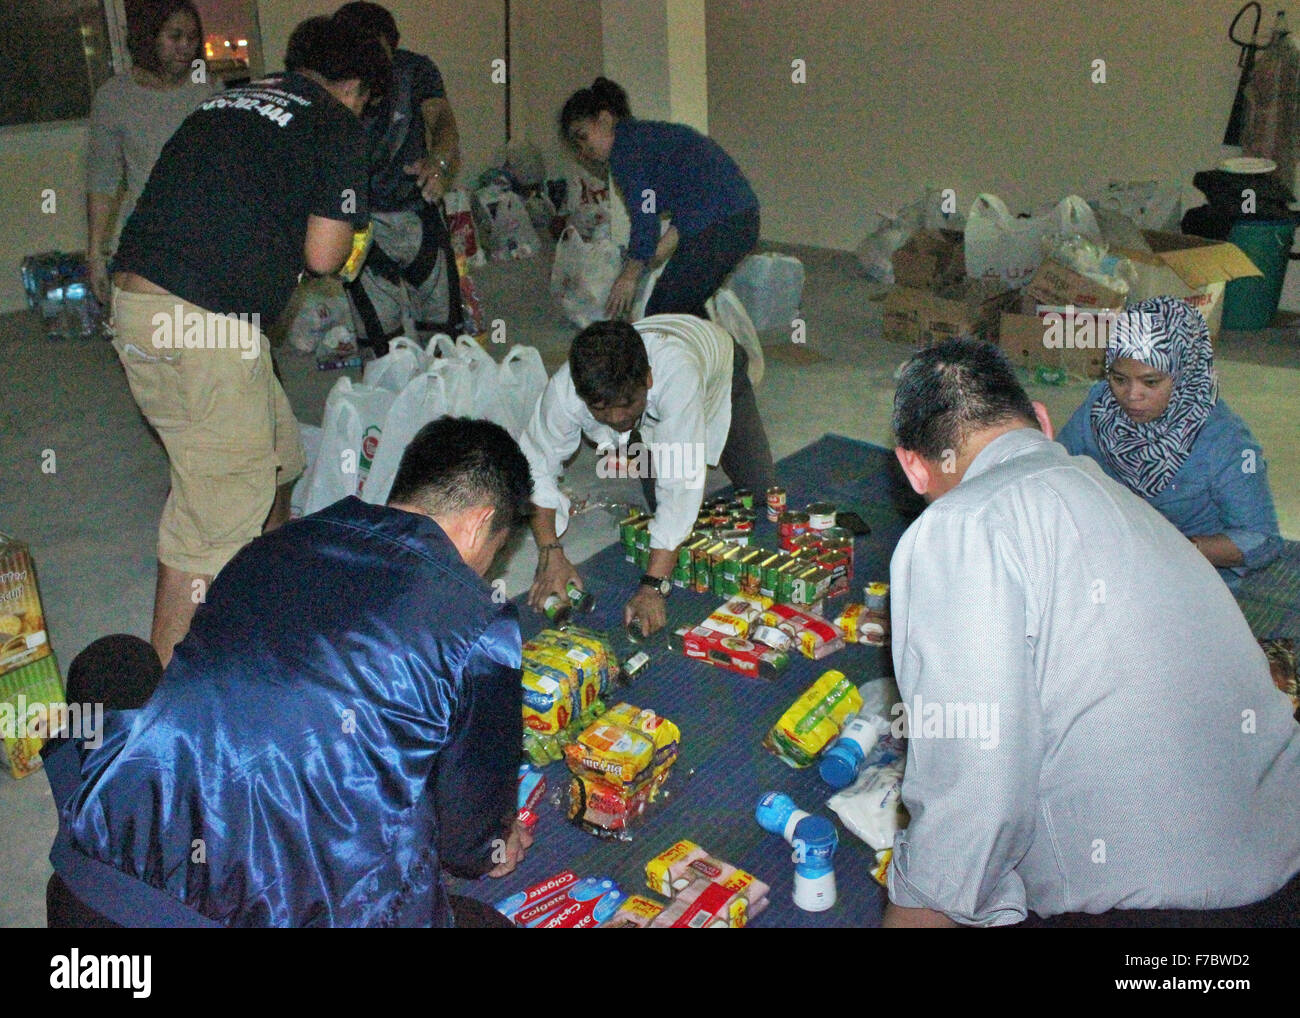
(814, 719)
(626, 747)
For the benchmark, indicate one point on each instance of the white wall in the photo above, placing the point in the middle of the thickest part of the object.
(993, 96)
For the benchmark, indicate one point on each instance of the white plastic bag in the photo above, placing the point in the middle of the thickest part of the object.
(311, 439)
(771, 288)
(444, 389)
(1007, 248)
(589, 205)
(396, 368)
(353, 423)
(460, 224)
(321, 310)
(511, 233)
(522, 378)
(582, 276)
(484, 381)
(1151, 204)
(726, 310)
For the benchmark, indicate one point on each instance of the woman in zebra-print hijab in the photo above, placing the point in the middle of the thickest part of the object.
(1157, 426)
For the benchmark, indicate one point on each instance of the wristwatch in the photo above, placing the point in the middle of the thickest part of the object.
(664, 586)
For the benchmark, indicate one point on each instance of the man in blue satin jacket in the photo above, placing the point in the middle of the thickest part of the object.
(341, 723)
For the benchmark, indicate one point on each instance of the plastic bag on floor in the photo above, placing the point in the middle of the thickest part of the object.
(1009, 248)
(510, 230)
(522, 377)
(582, 275)
(350, 433)
(771, 288)
(396, 368)
(444, 389)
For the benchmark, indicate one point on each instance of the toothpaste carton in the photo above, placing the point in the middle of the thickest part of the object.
(587, 904)
(550, 887)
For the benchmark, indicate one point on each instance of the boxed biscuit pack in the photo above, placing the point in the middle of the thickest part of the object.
(30, 683)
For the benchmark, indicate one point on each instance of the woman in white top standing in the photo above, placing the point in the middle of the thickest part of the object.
(134, 114)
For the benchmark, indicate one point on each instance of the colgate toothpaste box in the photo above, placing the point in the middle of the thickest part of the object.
(585, 906)
(549, 888)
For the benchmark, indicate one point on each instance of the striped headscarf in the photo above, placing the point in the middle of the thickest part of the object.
(1171, 336)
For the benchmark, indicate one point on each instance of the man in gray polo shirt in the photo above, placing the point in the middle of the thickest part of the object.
(1132, 755)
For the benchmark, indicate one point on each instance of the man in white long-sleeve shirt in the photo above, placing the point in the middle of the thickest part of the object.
(673, 390)
(1094, 738)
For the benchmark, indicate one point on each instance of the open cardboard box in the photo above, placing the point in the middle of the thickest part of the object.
(1195, 269)
(1191, 268)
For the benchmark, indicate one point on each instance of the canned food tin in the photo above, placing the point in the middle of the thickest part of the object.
(791, 525)
(775, 503)
(768, 574)
(821, 516)
(877, 595)
(581, 600)
(838, 534)
(557, 608)
(635, 665)
(777, 639)
(633, 630)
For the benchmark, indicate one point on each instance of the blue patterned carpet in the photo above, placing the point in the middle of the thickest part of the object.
(723, 768)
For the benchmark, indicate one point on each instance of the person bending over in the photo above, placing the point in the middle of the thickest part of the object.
(672, 169)
(674, 392)
(1158, 426)
(322, 763)
(208, 259)
(1139, 767)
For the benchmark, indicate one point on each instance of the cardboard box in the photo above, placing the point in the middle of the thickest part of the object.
(1192, 268)
(921, 317)
(1058, 285)
(1073, 340)
(26, 696)
(930, 258)
(23, 638)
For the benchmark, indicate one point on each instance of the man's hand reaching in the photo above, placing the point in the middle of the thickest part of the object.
(516, 843)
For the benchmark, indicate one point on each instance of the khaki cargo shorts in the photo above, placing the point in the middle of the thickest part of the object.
(206, 384)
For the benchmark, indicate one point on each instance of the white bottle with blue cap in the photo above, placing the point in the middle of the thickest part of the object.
(814, 842)
(842, 762)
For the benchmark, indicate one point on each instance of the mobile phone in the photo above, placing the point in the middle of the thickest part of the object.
(852, 522)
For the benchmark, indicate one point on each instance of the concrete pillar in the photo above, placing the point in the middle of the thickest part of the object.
(656, 50)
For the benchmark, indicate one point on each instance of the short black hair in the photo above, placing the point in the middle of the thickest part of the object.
(587, 103)
(608, 363)
(144, 23)
(454, 464)
(952, 390)
(369, 20)
(338, 53)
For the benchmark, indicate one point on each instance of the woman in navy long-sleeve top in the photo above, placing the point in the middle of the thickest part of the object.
(666, 168)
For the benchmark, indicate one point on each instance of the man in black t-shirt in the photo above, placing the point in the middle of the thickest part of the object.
(258, 183)
(413, 148)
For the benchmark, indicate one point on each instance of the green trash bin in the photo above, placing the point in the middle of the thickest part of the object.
(1250, 303)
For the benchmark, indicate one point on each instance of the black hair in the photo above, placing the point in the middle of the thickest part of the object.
(144, 23)
(608, 363)
(370, 21)
(952, 390)
(454, 464)
(587, 103)
(338, 53)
